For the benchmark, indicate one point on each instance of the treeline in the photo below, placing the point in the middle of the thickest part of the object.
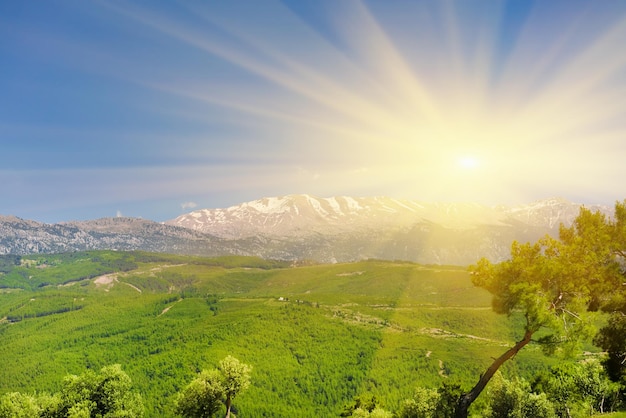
(18, 307)
(41, 270)
(564, 391)
(39, 314)
(8, 262)
(108, 394)
(568, 390)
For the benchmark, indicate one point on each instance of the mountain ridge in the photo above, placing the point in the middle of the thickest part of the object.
(305, 227)
(342, 210)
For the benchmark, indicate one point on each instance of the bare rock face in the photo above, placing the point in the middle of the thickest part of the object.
(297, 227)
(19, 236)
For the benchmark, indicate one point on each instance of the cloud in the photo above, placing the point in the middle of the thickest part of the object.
(188, 205)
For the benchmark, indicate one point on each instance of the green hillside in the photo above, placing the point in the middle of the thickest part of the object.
(316, 336)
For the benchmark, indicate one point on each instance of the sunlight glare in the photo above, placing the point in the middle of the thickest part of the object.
(468, 162)
(411, 110)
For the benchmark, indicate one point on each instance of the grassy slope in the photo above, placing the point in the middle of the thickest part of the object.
(346, 329)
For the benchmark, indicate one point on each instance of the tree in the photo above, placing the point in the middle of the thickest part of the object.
(551, 283)
(104, 394)
(49, 405)
(202, 398)
(90, 395)
(422, 405)
(18, 405)
(582, 387)
(448, 395)
(513, 399)
(431, 403)
(365, 405)
(366, 402)
(236, 379)
(612, 338)
(374, 413)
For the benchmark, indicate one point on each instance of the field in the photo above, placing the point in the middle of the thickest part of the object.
(316, 336)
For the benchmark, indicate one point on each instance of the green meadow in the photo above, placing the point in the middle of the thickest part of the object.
(316, 335)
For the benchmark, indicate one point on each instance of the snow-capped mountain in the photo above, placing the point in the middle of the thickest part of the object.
(304, 214)
(348, 228)
(303, 227)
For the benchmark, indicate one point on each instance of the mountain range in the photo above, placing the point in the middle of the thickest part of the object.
(308, 228)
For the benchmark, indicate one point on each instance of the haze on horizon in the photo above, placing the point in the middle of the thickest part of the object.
(152, 109)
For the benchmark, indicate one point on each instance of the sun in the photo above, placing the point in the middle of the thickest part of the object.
(468, 162)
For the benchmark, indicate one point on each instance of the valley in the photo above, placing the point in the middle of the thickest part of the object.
(316, 336)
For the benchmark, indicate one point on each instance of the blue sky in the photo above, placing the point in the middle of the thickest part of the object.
(155, 108)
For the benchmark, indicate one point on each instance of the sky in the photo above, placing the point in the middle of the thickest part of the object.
(156, 108)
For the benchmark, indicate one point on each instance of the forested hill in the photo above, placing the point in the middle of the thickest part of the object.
(316, 336)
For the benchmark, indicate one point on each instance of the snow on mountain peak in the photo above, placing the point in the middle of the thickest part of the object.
(302, 214)
(269, 205)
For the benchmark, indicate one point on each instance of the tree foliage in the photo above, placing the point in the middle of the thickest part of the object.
(422, 405)
(91, 395)
(19, 405)
(514, 399)
(578, 388)
(612, 338)
(551, 283)
(203, 397)
(431, 403)
(365, 402)
(236, 379)
(374, 413)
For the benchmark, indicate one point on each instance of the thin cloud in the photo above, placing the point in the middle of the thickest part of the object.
(383, 106)
(188, 205)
